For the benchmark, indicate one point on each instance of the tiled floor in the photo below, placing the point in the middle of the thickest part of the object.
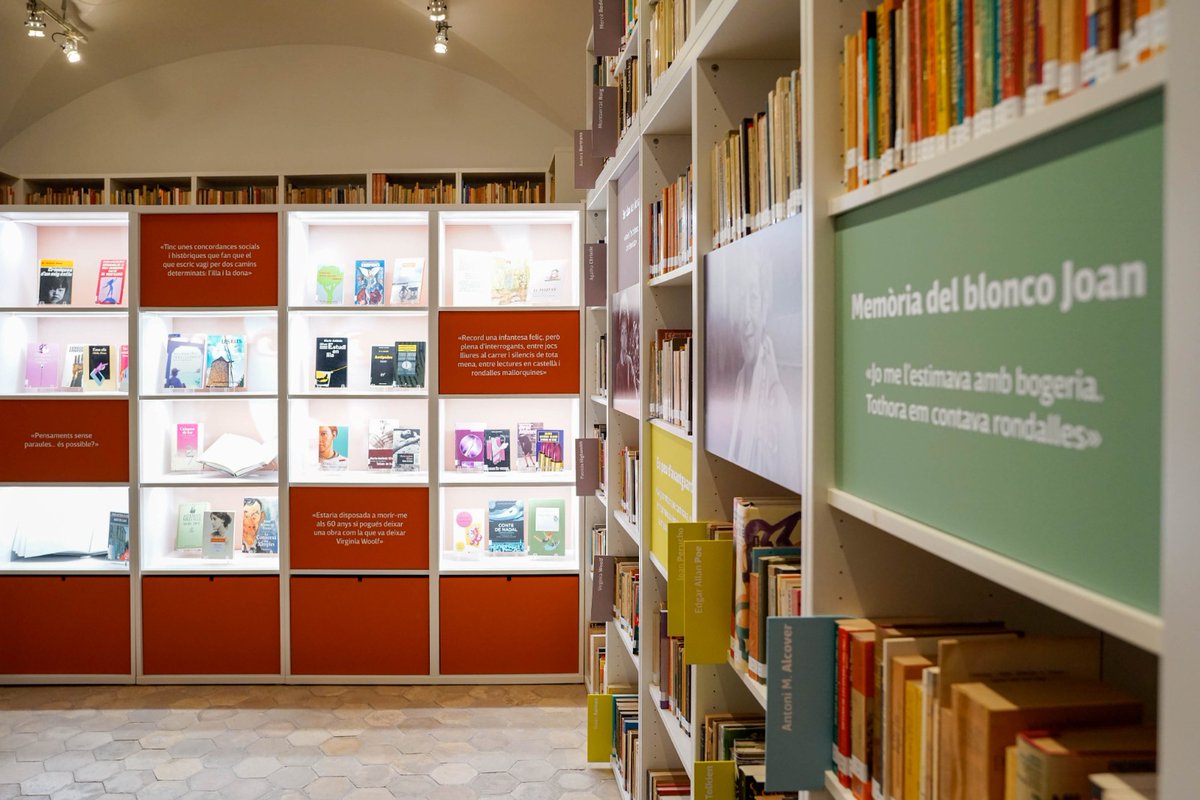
(243, 742)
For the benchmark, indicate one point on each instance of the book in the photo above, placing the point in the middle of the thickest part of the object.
(42, 363)
(1058, 763)
(547, 283)
(472, 281)
(406, 450)
(547, 527)
(510, 280)
(189, 444)
(218, 536)
(410, 365)
(260, 525)
(189, 529)
(110, 283)
(368, 282)
(74, 366)
(54, 282)
(330, 282)
(550, 450)
(757, 522)
(333, 447)
(496, 450)
(225, 362)
(185, 361)
(468, 529)
(118, 536)
(406, 281)
(76, 529)
(238, 455)
(380, 439)
(468, 446)
(527, 441)
(1124, 786)
(99, 369)
(383, 365)
(331, 357)
(506, 526)
(123, 368)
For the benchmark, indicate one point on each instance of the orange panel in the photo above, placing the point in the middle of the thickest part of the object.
(65, 440)
(54, 625)
(215, 260)
(373, 625)
(393, 534)
(508, 352)
(199, 625)
(501, 625)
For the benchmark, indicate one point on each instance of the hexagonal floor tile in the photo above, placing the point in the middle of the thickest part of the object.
(454, 774)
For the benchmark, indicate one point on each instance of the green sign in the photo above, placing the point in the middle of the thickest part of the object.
(999, 346)
(669, 492)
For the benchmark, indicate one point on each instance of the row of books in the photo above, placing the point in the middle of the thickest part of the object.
(370, 280)
(741, 738)
(326, 195)
(8, 195)
(668, 32)
(243, 195)
(83, 535)
(627, 602)
(758, 522)
(514, 191)
(600, 429)
(597, 658)
(756, 169)
(631, 479)
(626, 750)
(383, 190)
(971, 710)
(56, 278)
(600, 365)
(251, 530)
(66, 196)
(146, 195)
(671, 382)
(86, 367)
(597, 542)
(482, 278)
(674, 676)
(401, 364)
(478, 448)
(205, 361)
(512, 527)
(922, 76)
(672, 226)
(668, 783)
(775, 589)
(391, 447)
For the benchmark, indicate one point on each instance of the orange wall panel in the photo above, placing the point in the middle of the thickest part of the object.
(51, 625)
(501, 625)
(346, 625)
(197, 625)
(359, 528)
(65, 440)
(508, 352)
(213, 260)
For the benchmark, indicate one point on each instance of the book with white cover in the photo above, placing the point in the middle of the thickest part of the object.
(239, 455)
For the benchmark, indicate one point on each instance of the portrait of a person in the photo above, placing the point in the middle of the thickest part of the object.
(54, 290)
(252, 518)
(327, 452)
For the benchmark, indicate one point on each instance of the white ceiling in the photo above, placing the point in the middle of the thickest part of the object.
(531, 50)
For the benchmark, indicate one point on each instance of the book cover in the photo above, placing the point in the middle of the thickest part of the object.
(406, 450)
(547, 283)
(239, 455)
(41, 366)
(368, 282)
(189, 530)
(550, 450)
(333, 447)
(468, 529)
(380, 443)
(118, 536)
(547, 527)
(527, 441)
(189, 444)
(510, 280)
(99, 369)
(330, 282)
(331, 366)
(54, 282)
(74, 366)
(218, 535)
(260, 525)
(406, 281)
(110, 283)
(123, 368)
(468, 446)
(506, 526)
(410, 365)
(225, 362)
(496, 450)
(185, 361)
(472, 277)
(383, 365)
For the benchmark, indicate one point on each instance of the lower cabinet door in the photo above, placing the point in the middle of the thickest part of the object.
(65, 625)
(369, 625)
(509, 625)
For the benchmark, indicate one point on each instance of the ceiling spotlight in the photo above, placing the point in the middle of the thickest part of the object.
(442, 40)
(437, 12)
(70, 48)
(35, 26)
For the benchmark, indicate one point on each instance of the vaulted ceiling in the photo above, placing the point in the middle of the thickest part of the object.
(530, 50)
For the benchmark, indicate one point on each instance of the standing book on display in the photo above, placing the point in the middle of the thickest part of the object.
(74, 366)
(527, 445)
(118, 536)
(330, 280)
(383, 365)
(218, 536)
(550, 446)
(333, 447)
(123, 368)
(42, 366)
(99, 369)
(406, 449)
(185, 362)
(469, 529)
(225, 362)
(410, 365)
(381, 434)
(547, 527)
(54, 282)
(189, 530)
(468, 446)
(189, 444)
(368, 282)
(496, 450)
(331, 362)
(260, 525)
(110, 283)
(506, 526)
(406, 281)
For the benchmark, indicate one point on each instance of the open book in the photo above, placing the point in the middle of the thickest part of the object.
(239, 455)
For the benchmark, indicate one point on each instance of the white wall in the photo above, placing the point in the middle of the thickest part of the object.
(293, 108)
